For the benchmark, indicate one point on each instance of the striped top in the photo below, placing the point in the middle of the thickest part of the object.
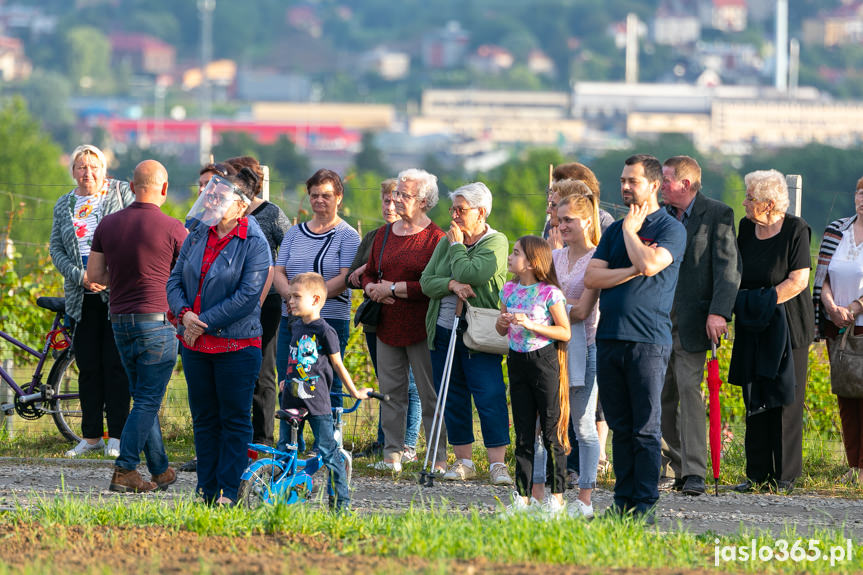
(832, 237)
(326, 253)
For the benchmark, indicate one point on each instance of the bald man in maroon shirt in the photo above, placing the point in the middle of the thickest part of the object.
(133, 252)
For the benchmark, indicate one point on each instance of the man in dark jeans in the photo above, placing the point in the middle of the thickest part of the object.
(133, 253)
(636, 266)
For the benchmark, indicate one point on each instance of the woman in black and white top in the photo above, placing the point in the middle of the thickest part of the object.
(325, 244)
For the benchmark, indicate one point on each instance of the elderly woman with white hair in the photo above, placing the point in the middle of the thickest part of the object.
(469, 265)
(102, 382)
(774, 324)
(398, 257)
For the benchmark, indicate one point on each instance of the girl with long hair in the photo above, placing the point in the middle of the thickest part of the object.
(533, 315)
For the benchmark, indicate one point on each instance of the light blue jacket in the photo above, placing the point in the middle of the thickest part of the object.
(231, 292)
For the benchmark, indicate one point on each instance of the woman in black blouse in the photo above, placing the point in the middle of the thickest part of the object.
(774, 247)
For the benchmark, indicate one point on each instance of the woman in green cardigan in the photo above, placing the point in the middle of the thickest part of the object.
(469, 264)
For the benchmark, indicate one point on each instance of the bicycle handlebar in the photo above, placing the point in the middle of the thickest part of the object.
(357, 402)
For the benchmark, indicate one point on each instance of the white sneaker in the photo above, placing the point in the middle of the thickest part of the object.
(112, 448)
(518, 506)
(382, 465)
(84, 447)
(460, 470)
(498, 475)
(552, 508)
(581, 509)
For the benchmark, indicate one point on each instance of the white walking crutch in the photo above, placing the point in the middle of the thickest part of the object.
(426, 476)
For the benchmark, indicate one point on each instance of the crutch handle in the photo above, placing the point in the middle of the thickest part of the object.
(379, 396)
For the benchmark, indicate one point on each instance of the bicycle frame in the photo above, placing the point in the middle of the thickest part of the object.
(26, 394)
(292, 481)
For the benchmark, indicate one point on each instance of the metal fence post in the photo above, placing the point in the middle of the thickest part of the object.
(795, 194)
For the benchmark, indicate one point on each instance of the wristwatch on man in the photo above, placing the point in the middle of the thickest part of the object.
(393, 288)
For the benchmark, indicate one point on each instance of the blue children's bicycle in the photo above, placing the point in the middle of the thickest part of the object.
(281, 476)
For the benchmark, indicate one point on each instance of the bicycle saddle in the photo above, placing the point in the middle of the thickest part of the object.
(294, 416)
(55, 304)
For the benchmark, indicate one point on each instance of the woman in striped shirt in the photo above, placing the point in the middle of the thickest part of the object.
(326, 244)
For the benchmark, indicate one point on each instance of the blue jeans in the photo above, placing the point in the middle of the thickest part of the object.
(148, 351)
(630, 377)
(415, 416)
(582, 412)
(474, 375)
(220, 399)
(322, 429)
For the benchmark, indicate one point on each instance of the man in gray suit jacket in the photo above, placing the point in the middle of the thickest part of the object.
(703, 301)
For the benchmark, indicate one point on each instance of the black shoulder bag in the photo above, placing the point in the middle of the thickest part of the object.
(369, 311)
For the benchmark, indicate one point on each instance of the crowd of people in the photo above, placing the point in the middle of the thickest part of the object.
(608, 324)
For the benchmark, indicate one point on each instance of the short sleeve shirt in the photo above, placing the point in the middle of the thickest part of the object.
(639, 310)
(310, 374)
(535, 301)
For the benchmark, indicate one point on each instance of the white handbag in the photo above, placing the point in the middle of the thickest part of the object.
(481, 334)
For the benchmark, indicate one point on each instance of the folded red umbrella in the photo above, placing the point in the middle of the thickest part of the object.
(713, 384)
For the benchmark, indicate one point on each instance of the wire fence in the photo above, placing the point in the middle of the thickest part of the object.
(29, 209)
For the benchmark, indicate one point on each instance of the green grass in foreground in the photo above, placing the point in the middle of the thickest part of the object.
(438, 534)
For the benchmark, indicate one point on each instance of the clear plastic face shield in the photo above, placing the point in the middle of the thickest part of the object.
(214, 201)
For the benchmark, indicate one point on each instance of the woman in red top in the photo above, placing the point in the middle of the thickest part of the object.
(401, 333)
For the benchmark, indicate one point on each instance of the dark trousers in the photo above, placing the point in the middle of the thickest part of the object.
(534, 388)
(264, 398)
(102, 382)
(630, 377)
(220, 399)
(851, 414)
(774, 438)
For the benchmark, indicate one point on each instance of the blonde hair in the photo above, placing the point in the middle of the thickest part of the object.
(388, 186)
(311, 281)
(567, 188)
(537, 251)
(88, 150)
(585, 206)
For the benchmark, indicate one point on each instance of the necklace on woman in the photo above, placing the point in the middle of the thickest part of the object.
(854, 249)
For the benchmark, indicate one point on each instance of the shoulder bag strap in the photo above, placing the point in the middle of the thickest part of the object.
(381, 257)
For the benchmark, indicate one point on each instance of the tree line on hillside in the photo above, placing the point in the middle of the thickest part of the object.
(32, 177)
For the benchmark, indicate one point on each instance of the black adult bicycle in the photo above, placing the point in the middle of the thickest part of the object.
(58, 396)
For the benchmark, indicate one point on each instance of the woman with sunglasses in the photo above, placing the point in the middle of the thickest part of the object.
(469, 265)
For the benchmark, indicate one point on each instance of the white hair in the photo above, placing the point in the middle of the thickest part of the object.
(426, 185)
(476, 194)
(87, 149)
(765, 185)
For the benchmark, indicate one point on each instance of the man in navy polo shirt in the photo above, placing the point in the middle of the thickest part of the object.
(133, 252)
(636, 266)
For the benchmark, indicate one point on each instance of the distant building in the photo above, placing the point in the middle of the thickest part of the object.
(445, 47)
(258, 84)
(146, 54)
(490, 59)
(725, 15)
(676, 23)
(14, 64)
(499, 116)
(23, 20)
(359, 117)
(843, 25)
(617, 31)
(733, 62)
(386, 63)
(539, 63)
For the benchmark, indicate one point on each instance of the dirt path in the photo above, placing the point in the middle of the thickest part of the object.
(22, 480)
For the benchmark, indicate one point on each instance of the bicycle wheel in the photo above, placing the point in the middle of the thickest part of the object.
(66, 411)
(255, 491)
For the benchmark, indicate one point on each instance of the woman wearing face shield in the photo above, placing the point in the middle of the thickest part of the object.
(215, 290)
